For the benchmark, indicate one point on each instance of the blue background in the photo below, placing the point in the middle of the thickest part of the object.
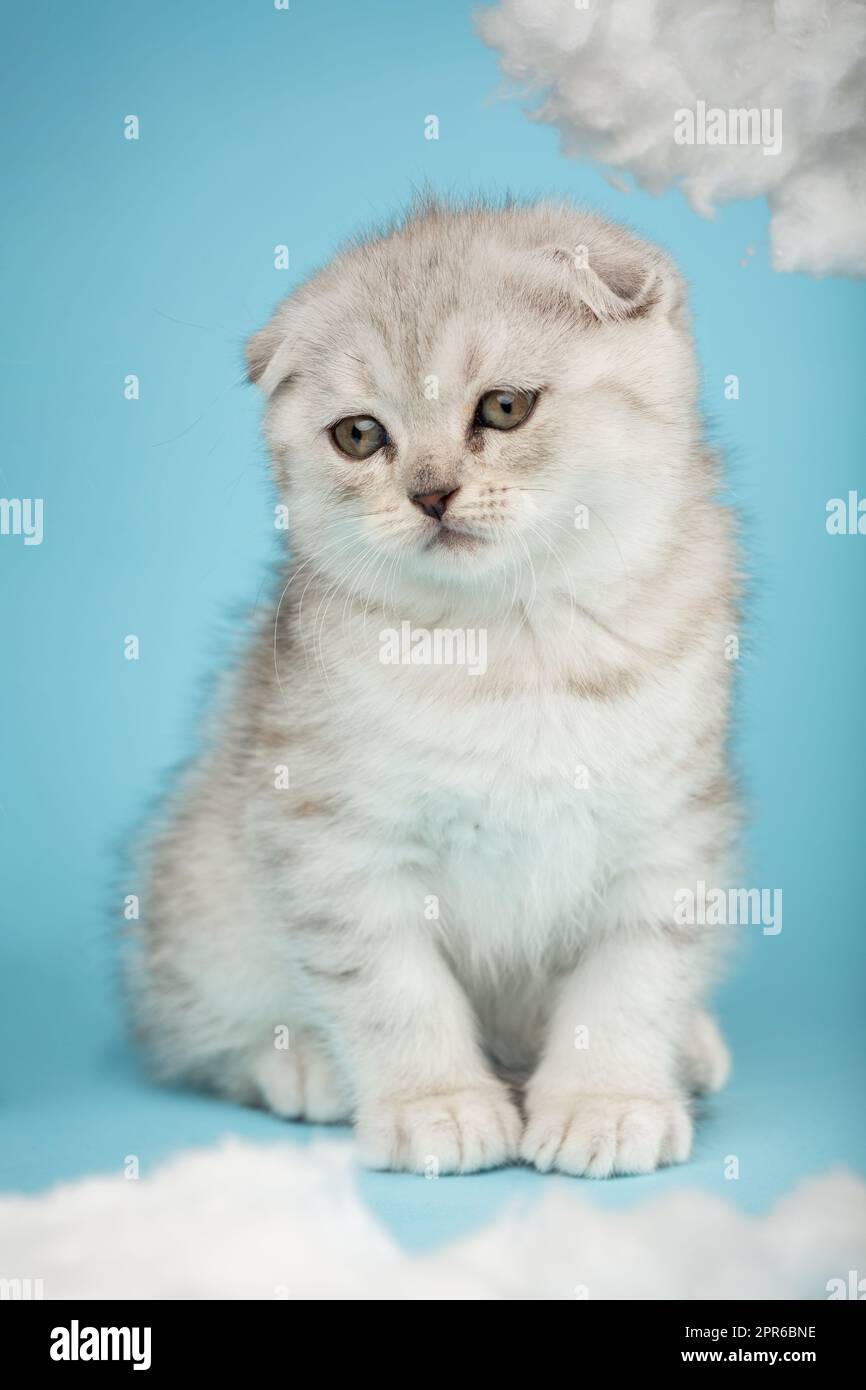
(155, 257)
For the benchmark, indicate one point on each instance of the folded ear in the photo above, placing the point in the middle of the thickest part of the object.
(616, 285)
(269, 355)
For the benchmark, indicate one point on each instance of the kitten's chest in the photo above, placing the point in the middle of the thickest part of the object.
(513, 809)
(517, 810)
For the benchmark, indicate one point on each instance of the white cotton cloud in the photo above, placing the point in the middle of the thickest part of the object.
(614, 74)
(263, 1221)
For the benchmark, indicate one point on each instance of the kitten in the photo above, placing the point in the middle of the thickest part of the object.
(395, 876)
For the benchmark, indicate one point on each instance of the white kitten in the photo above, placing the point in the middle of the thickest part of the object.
(484, 424)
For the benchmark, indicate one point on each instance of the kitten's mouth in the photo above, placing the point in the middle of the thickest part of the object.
(449, 538)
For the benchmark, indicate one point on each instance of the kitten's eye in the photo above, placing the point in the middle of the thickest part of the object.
(502, 410)
(359, 436)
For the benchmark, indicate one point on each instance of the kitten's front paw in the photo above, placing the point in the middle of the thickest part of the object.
(450, 1132)
(596, 1136)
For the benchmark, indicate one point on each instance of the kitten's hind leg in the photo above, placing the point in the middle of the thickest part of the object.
(706, 1057)
(298, 1082)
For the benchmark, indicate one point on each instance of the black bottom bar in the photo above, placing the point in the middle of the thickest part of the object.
(158, 1338)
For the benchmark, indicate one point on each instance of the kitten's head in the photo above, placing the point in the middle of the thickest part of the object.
(483, 397)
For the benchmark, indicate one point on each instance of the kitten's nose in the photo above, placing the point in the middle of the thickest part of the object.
(435, 503)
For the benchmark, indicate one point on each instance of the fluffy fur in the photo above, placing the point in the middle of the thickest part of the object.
(469, 877)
